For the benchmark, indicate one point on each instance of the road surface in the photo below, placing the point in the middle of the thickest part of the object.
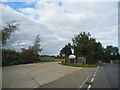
(73, 80)
(104, 76)
(33, 75)
(53, 75)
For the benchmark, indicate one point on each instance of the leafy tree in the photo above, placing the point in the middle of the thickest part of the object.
(8, 30)
(28, 56)
(111, 50)
(111, 53)
(36, 46)
(86, 46)
(9, 57)
(80, 44)
(32, 53)
(66, 50)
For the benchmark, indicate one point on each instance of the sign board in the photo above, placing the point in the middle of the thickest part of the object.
(63, 55)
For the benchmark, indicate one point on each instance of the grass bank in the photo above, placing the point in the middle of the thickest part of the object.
(80, 65)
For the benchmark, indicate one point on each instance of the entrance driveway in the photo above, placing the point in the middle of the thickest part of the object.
(34, 75)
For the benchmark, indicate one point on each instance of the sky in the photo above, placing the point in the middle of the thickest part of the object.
(58, 21)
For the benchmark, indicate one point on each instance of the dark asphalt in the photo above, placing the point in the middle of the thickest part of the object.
(106, 76)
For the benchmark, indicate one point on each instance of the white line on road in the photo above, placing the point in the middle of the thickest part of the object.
(85, 81)
(94, 75)
(92, 79)
(97, 67)
(89, 87)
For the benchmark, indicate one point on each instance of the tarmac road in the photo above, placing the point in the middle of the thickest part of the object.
(104, 76)
(73, 80)
(53, 75)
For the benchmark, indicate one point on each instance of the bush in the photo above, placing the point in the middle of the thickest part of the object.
(28, 56)
(9, 57)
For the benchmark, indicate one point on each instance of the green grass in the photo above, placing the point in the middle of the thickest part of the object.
(80, 65)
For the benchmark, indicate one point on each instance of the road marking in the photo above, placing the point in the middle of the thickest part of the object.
(97, 67)
(84, 81)
(89, 87)
(87, 79)
(92, 79)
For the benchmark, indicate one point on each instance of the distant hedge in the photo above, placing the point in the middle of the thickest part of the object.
(10, 57)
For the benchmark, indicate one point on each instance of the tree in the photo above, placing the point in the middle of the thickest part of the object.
(28, 56)
(80, 44)
(31, 54)
(66, 50)
(86, 46)
(36, 46)
(8, 30)
(111, 53)
(111, 50)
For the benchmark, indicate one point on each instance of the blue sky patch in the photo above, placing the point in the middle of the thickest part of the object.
(60, 3)
(17, 5)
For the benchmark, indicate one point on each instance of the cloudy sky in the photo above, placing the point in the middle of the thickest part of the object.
(57, 22)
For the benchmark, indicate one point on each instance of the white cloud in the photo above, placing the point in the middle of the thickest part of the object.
(62, 0)
(28, 10)
(28, 2)
(57, 27)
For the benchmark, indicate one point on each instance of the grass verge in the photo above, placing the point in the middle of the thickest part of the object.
(80, 65)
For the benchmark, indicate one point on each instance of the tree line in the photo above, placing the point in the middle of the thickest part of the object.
(86, 46)
(11, 57)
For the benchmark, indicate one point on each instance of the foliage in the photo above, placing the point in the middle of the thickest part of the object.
(28, 56)
(86, 46)
(111, 50)
(66, 50)
(58, 57)
(36, 46)
(31, 54)
(10, 57)
(80, 65)
(8, 30)
(110, 53)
